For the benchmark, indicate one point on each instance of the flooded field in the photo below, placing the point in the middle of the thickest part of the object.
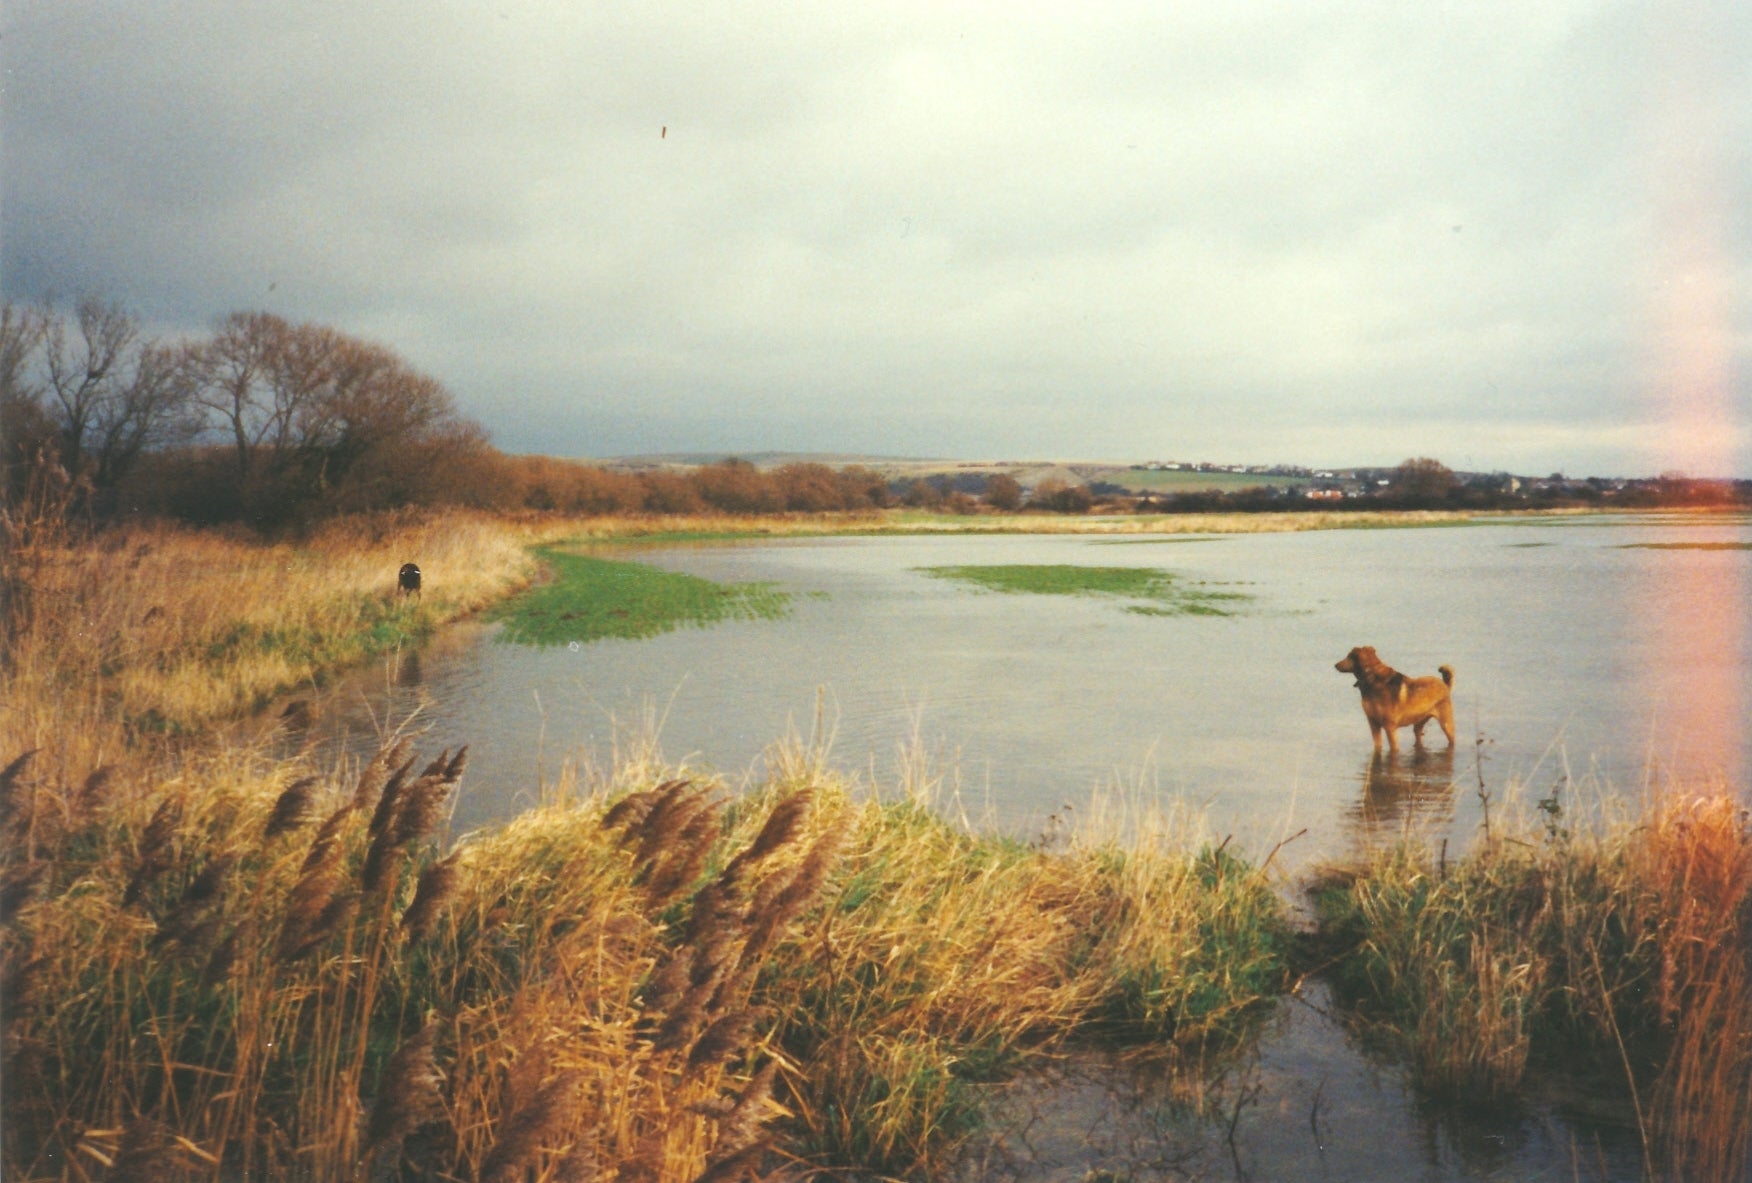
(1587, 657)
(1593, 658)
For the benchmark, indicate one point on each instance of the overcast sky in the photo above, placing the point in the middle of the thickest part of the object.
(1506, 235)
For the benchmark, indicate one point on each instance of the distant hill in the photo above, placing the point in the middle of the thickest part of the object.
(1028, 473)
(758, 459)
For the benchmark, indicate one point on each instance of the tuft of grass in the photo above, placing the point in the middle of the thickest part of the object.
(1163, 593)
(589, 598)
(1626, 947)
(941, 960)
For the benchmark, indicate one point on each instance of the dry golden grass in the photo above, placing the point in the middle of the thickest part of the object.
(160, 631)
(242, 970)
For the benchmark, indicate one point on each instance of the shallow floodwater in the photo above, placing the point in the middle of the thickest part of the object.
(1592, 656)
(1584, 660)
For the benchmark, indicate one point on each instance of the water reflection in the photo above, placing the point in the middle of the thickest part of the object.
(1403, 795)
(1306, 1102)
(408, 669)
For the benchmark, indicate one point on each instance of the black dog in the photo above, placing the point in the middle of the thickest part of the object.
(407, 581)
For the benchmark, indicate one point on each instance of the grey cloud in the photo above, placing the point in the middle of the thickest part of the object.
(1262, 231)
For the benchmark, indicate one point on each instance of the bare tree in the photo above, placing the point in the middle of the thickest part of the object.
(109, 393)
(235, 382)
(1003, 492)
(153, 407)
(85, 373)
(25, 425)
(320, 422)
(21, 332)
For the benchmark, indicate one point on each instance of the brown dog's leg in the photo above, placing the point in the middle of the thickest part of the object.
(1445, 716)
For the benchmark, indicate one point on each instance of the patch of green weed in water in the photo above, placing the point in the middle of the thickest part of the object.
(589, 599)
(1685, 546)
(1162, 593)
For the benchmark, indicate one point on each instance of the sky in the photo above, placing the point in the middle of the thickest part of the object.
(1509, 236)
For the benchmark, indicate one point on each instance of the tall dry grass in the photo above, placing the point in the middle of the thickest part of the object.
(229, 973)
(1621, 948)
(175, 629)
(286, 980)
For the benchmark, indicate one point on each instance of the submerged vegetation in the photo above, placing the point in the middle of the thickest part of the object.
(214, 964)
(1161, 592)
(587, 598)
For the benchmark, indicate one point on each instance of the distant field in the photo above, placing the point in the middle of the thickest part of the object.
(1165, 481)
(1027, 472)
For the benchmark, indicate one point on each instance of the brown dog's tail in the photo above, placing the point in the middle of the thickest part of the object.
(1447, 672)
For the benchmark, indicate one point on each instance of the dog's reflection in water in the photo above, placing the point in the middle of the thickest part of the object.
(1404, 795)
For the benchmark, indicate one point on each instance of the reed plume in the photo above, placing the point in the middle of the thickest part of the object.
(678, 864)
(18, 883)
(292, 808)
(742, 1130)
(308, 910)
(411, 815)
(630, 810)
(154, 855)
(411, 1094)
(93, 794)
(389, 798)
(436, 886)
(192, 923)
(10, 778)
(722, 1037)
(531, 1128)
(781, 825)
(377, 771)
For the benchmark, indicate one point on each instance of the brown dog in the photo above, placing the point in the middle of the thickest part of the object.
(1391, 700)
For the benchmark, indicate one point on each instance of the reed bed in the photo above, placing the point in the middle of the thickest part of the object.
(249, 969)
(1621, 949)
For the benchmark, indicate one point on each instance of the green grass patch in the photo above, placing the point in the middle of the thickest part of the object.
(589, 599)
(1160, 593)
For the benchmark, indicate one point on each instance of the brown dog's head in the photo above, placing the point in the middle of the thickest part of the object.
(1362, 662)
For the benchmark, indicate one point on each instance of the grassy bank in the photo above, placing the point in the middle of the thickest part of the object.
(1619, 951)
(162, 629)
